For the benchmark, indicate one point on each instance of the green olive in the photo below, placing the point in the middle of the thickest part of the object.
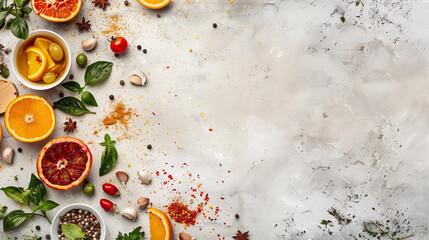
(49, 77)
(88, 189)
(56, 52)
(81, 60)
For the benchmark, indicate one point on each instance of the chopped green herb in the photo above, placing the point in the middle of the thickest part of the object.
(343, 19)
(325, 222)
(357, 3)
(15, 177)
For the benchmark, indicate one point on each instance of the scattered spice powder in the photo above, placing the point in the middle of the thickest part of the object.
(182, 214)
(120, 114)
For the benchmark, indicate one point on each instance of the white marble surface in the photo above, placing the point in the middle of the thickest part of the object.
(308, 113)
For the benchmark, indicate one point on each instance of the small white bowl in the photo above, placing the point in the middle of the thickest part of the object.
(66, 209)
(32, 35)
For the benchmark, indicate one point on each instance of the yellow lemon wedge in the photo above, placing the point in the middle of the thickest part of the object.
(154, 4)
(37, 62)
(44, 44)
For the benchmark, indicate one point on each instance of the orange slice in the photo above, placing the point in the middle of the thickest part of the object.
(37, 62)
(43, 44)
(160, 225)
(29, 118)
(56, 10)
(64, 163)
(154, 4)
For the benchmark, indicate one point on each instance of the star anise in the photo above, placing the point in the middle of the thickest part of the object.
(241, 236)
(85, 25)
(70, 126)
(101, 3)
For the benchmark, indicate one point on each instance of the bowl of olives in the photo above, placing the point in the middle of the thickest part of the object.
(42, 61)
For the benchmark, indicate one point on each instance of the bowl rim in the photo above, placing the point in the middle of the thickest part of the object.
(25, 82)
(83, 206)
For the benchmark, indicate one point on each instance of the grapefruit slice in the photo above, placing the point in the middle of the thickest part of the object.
(56, 10)
(29, 118)
(64, 163)
(160, 225)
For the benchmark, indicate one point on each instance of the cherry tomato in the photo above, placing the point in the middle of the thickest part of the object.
(118, 45)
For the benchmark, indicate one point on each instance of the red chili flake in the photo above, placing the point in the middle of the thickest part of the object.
(153, 113)
(170, 177)
(182, 214)
(38, 59)
(211, 129)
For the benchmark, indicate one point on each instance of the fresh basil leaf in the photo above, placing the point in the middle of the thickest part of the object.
(26, 10)
(3, 15)
(88, 99)
(97, 72)
(48, 205)
(19, 28)
(134, 235)
(73, 231)
(37, 189)
(72, 106)
(16, 194)
(109, 155)
(1, 216)
(73, 86)
(14, 219)
(8, 23)
(4, 70)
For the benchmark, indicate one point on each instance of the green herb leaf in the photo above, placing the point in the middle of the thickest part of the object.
(19, 28)
(16, 194)
(4, 70)
(20, 3)
(109, 155)
(325, 222)
(26, 10)
(48, 205)
(37, 189)
(88, 99)
(73, 86)
(343, 19)
(97, 72)
(134, 235)
(73, 231)
(3, 15)
(72, 106)
(14, 219)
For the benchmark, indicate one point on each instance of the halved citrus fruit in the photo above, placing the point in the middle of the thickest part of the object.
(56, 10)
(154, 4)
(160, 225)
(64, 163)
(29, 118)
(37, 62)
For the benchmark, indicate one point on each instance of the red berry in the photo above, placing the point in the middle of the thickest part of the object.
(111, 189)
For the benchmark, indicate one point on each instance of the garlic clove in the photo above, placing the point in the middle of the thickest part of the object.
(142, 203)
(144, 176)
(137, 78)
(89, 44)
(7, 155)
(129, 213)
(184, 236)
(122, 177)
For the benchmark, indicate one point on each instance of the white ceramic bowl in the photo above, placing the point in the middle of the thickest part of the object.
(32, 35)
(66, 209)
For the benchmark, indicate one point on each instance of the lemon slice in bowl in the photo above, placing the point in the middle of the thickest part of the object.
(37, 62)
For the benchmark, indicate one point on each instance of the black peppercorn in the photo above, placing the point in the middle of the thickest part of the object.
(38, 228)
(61, 95)
(237, 216)
(144, 51)
(126, 3)
(214, 25)
(19, 149)
(122, 82)
(116, 55)
(149, 146)
(48, 236)
(139, 47)
(111, 97)
(158, 15)
(71, 76)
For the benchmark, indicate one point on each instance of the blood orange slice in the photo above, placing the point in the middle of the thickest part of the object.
(64, 163)
(56, 10)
